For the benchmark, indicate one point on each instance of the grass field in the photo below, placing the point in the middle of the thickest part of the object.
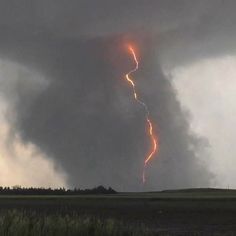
(183, 212)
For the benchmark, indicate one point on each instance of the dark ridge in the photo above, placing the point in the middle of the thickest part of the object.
(18, 190)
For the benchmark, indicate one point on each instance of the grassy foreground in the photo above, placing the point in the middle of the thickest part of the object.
(170, 213)
(18, 223)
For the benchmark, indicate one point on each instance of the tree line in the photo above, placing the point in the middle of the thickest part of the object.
(18, 190)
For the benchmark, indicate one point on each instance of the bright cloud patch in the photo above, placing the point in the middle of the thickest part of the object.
(22, 163)
(207, 90)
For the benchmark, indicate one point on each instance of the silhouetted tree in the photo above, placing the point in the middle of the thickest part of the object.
(18, 190)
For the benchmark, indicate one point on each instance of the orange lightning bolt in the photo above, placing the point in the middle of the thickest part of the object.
(153, 138)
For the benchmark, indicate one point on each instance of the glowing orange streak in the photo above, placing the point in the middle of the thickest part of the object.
(150, 126)
(154, 141)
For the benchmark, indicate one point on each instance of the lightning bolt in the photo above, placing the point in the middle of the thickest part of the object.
(152, 136)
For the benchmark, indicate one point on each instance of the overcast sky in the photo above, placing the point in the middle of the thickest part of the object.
(68, 117)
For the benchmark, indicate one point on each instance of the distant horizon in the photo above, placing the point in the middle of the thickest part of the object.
(110, 187)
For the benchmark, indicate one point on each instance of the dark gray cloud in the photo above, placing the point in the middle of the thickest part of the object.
(86, 118)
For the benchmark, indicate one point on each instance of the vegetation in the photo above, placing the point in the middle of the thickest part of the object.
(18, 190)
(197, 212)
(14, 223)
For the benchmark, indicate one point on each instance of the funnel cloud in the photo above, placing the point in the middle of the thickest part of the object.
(78, 109)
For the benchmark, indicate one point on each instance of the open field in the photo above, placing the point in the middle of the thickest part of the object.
(189, 212)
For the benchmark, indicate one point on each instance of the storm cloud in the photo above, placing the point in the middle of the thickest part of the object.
(85, 119)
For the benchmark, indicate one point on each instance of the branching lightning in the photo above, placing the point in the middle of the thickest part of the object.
(152, 136)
